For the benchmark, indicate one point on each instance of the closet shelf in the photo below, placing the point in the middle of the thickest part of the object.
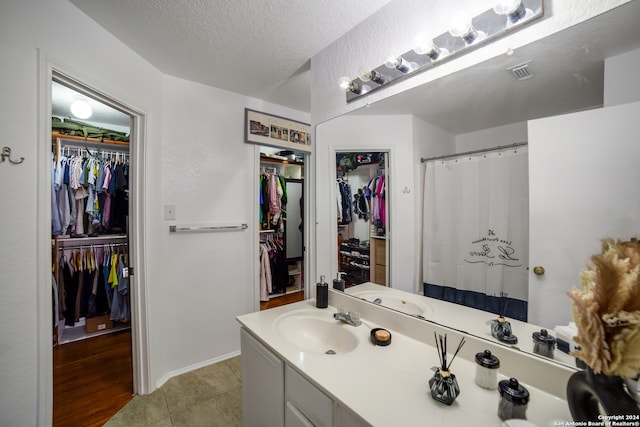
(284, 162)
(83, 139)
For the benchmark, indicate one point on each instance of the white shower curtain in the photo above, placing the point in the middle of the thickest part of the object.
(476, 231)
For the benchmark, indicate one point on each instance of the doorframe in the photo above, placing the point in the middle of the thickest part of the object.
(47, 70)
(333, 152)
(309, 201)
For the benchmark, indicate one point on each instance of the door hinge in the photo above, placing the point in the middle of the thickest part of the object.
(130, 271)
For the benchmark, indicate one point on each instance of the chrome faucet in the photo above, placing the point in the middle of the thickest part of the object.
(351, 318)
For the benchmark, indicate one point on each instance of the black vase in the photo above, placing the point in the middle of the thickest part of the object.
(586, 390)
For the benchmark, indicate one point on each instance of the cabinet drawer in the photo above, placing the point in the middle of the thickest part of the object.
(316, 406)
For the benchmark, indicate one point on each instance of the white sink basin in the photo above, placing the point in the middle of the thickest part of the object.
(316, 332)
(396, 302)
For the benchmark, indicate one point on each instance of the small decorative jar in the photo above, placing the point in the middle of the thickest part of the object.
(444, 387)
(514, 399)
(543, 343)
(487, 370)
(501, 330)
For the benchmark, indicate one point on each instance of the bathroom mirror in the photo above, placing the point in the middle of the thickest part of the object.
(568, 70)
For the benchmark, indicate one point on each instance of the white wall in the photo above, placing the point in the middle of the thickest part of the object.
(195, 284)
(393, 28)
(203, 281)
(70, 39)
(377, 133)
(621, 79)
(492, 137)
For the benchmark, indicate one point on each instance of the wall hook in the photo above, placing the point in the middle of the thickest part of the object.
(6, 154)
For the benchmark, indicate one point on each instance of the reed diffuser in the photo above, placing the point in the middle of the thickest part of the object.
(500, 327)
(443, 384)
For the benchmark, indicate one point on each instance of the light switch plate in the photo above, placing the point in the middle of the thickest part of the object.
(169, 212)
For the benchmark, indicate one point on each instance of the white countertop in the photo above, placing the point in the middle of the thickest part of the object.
(470, 320)
(388, 386)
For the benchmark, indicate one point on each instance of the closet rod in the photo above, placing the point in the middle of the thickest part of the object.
(97, 240)
(94, 245)
(466, 153)
(103, 146)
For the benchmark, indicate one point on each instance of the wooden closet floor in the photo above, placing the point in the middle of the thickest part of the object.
(92, 379)
(282, 300)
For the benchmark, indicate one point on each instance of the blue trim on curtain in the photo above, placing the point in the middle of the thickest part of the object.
(515, 308)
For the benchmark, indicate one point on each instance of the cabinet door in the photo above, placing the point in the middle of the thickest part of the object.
(294, 418)
(262, 384)
(316, 406)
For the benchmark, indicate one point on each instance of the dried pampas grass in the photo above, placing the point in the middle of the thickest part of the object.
(607, 310)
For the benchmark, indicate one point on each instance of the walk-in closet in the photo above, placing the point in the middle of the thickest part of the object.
(91, 272)
(281, 226)
(362, 217)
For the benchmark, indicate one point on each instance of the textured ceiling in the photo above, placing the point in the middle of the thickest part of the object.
(256, 48)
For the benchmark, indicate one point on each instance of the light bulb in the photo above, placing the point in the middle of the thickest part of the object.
(462, 26)
(392, 61)
(513, 9)
(399, 64)
(81, 109)
(365, 74)
(353, 86)
(344, 82)
(423, 45)
(374, 76)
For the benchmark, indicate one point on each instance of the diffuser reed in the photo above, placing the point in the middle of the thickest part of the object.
(443, 384)
(500, 327)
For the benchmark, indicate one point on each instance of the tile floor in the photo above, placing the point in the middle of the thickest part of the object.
(209, 396)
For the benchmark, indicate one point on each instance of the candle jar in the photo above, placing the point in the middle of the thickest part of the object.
(514, 399)
(444, 387)
(543, 343)
(487, 370)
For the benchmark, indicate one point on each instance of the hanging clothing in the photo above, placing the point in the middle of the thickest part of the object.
(274, 273)
(345, 202)
(273, 201)
(89, 196)
(265, 273)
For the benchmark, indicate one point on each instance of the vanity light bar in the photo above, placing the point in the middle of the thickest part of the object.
(488, 26)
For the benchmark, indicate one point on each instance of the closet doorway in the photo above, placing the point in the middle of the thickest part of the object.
(281, 227)
(363, 217)
(92, 278)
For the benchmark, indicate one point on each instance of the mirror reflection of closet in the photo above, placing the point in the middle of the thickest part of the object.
(363, 217)
(281, 227)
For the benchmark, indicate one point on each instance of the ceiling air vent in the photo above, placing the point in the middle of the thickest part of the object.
(522, 71)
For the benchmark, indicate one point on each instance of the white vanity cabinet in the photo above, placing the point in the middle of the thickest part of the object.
(262, 384)
(275, 394)
(304, 400)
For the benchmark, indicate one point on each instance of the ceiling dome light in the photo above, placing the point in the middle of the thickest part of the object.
(81, 109)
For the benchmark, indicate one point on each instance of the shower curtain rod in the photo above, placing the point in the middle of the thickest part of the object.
(466, 153)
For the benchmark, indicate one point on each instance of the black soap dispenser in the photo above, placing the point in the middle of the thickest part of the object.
(338, 282)
(322, 293)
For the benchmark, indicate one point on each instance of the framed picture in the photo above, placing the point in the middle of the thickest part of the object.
(275, 131)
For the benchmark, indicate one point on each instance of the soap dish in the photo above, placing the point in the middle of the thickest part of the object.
(380, 336)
